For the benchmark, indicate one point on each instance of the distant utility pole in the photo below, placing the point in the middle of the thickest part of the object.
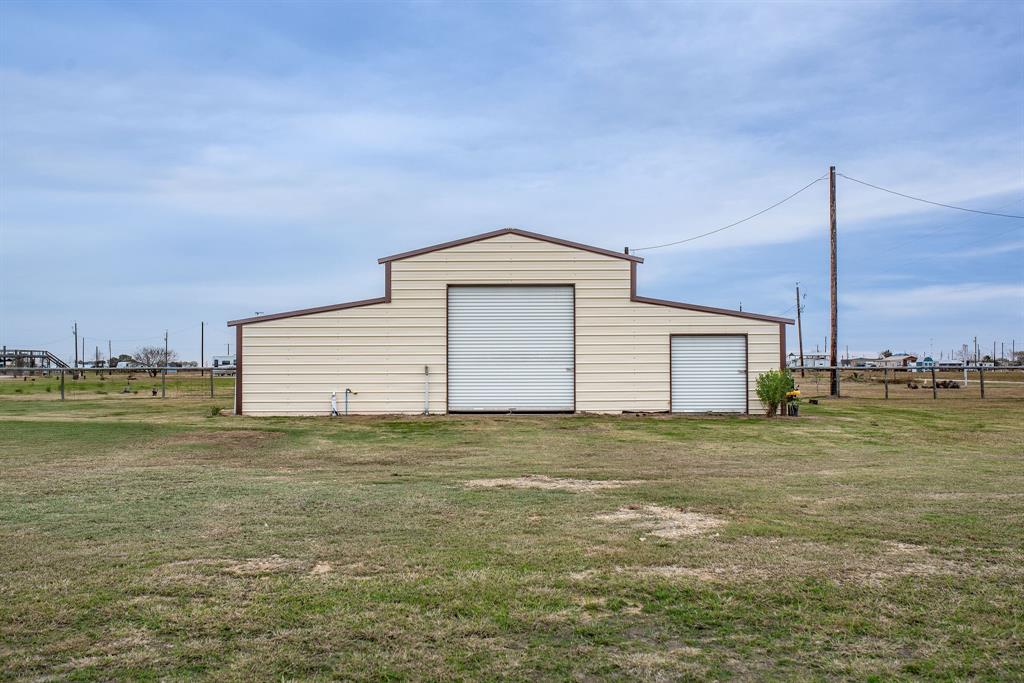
(97, 361)
(76, 344)
(976, 356)
(833, 287)
(799, 330)
(163, 374)
(202, 363)
(110, 354)
(229, 348)
(83, 351)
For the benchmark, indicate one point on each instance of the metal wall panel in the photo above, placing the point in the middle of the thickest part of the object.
(709, 373)
(510, 348)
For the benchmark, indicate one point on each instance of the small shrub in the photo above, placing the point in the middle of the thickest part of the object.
(49, 389)
(771, 389)
(214, 411)
(19, 391)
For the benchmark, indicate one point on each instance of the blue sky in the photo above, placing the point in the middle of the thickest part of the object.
(166, 163)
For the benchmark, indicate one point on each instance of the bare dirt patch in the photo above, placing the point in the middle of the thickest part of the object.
(265, 565)
(545, 483)
(663, 522)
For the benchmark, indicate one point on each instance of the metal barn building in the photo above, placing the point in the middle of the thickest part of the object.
(506, 321)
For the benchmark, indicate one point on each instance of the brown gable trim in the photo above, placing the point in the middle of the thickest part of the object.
(308, 311)
(511, 231)
(782, 346)
(238, 370)
(694, 307)
(386, 299)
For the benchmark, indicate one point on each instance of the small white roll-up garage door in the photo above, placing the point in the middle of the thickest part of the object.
(510, 348)
(709, 374)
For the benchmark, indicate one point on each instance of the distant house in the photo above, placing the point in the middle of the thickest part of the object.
(811, 360)
(861, 362)
(926, 363)
(899, 360)
(225, 362)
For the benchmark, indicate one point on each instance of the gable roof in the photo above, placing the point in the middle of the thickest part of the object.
(633, 296)
(510, 231)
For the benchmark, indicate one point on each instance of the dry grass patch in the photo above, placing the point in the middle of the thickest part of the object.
(545, 483)
(663, 522)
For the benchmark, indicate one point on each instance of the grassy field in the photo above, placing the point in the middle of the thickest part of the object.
(116, 383)
(865, 540)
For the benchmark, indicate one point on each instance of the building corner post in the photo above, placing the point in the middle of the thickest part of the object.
(238, 369)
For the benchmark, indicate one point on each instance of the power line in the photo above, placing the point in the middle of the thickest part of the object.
(732, 225)
(926, 201)
(958, 224)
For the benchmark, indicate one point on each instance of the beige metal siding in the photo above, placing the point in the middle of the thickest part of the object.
(291, 365)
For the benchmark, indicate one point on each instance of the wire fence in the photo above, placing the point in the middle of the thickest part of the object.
(136, 383)
(973, 382)
(966, 383)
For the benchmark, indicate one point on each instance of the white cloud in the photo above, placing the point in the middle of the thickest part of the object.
(935, 300)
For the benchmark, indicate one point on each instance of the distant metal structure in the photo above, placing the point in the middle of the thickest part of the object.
(30, 358)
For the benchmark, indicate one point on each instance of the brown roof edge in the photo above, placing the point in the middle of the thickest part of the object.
(694, 307)
(711, 309)
(308, 311)
(511, 231)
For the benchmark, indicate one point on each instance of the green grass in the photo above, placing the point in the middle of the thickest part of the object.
(143, 539)
(92, 383)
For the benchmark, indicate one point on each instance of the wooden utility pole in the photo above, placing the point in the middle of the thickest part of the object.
(163, 374)
(799, 330)
(833, 290)
(76, 345)
(202, 362)
(110, 354)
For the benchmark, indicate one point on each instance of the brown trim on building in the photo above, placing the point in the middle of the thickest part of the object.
(711, 309)
(694, 307)
(746, 362)
(309, 311)
(238, 370)
(386, 299)
(782, 346)
(447, 373)
(510, 231)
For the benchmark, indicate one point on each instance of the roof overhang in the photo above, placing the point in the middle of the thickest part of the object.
(510, 231)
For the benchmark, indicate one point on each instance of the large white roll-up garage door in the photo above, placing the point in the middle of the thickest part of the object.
(510, 348)
(709, 374)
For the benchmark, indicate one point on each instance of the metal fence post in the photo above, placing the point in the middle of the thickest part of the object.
(211, 383)
(62, 385)
(981, 380)
(885, 381)
(163, 383)
(935, 389)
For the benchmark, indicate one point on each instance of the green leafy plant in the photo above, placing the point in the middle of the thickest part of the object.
(772, 387)
(214, 411)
